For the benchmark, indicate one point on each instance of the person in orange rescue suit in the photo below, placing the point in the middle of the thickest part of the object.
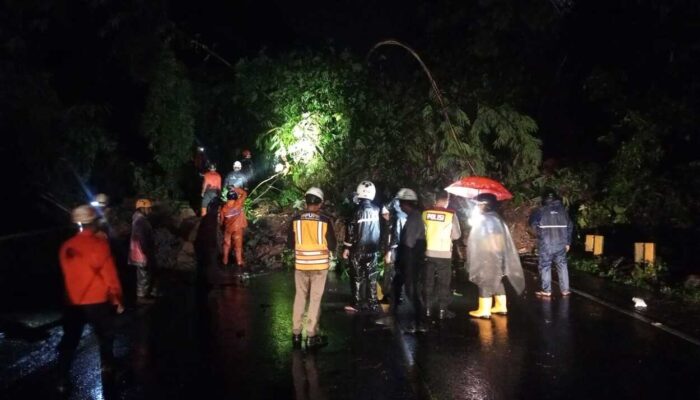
(93, 292)
(312, 238)
(233, 220)
(211, 187)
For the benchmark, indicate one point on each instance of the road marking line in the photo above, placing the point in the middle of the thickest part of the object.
(632, 314)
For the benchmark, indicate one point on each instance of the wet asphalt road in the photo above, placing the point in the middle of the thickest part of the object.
(233, 341)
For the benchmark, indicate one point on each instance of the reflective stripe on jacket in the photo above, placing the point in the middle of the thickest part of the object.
(441, 228)
(364, 229)
(552, 224)
(312, 237)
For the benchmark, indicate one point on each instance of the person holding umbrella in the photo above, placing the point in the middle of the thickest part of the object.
(491, 253)
(491, 257)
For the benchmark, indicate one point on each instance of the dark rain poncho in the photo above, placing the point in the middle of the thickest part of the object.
(492, 254)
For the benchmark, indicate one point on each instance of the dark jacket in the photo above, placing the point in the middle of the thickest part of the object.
(396, 225)
(235, 178)
(552, 224)
(364, 229)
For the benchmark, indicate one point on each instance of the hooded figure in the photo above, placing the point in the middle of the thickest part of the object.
(553, 226)
(491, 255)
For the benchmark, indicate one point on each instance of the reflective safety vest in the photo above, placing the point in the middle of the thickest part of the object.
(438, 232)
(310, 245)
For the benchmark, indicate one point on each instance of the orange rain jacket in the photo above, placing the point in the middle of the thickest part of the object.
(212, 181)
(232, 215)
(89, 272)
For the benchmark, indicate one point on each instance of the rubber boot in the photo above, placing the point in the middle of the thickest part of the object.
(484, 310)
(499, 305)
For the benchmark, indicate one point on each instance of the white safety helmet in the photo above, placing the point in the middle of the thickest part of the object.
(406, 194)
(366, 190)
(101, 200)
(314, 191)
(83, 215)
(237, 166)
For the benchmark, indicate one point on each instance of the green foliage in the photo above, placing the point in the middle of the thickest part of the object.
(148, 181)
(636, 188)
(168, 122)
(644, 275)
(648, 274)
(509, 149)
(287, 258)
(364, 129)
(288, 197)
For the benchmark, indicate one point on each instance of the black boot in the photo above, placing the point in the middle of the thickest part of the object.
(446, 314)
(316, 342)
(296, 341)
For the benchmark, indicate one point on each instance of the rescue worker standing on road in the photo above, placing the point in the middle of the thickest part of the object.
(92, 292)
(361, 246)
(211, 187)
(410, 256)
(142, 251)
(553, 226)
(233, 220)
(441, 228)
(491, 256)
(312, 238)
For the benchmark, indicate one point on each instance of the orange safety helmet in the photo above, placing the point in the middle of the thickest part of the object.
(246, 153)
(144, 203)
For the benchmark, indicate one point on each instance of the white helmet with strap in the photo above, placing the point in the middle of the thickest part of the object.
(314, 191)
(366, 190)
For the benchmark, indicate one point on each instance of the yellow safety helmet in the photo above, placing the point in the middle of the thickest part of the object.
(83, 214)
(144, 203)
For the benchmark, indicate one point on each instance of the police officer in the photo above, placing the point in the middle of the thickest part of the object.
(312, 238)
(553, 226)
(361, 246)
(441, 228)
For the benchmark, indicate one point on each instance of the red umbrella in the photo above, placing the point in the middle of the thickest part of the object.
(471, 186)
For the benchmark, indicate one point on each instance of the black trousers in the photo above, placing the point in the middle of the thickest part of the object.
(438, 275)
(410, 274)
(74, 319)
(364, 277)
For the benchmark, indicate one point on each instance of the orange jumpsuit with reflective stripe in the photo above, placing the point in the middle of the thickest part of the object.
(232, 217)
